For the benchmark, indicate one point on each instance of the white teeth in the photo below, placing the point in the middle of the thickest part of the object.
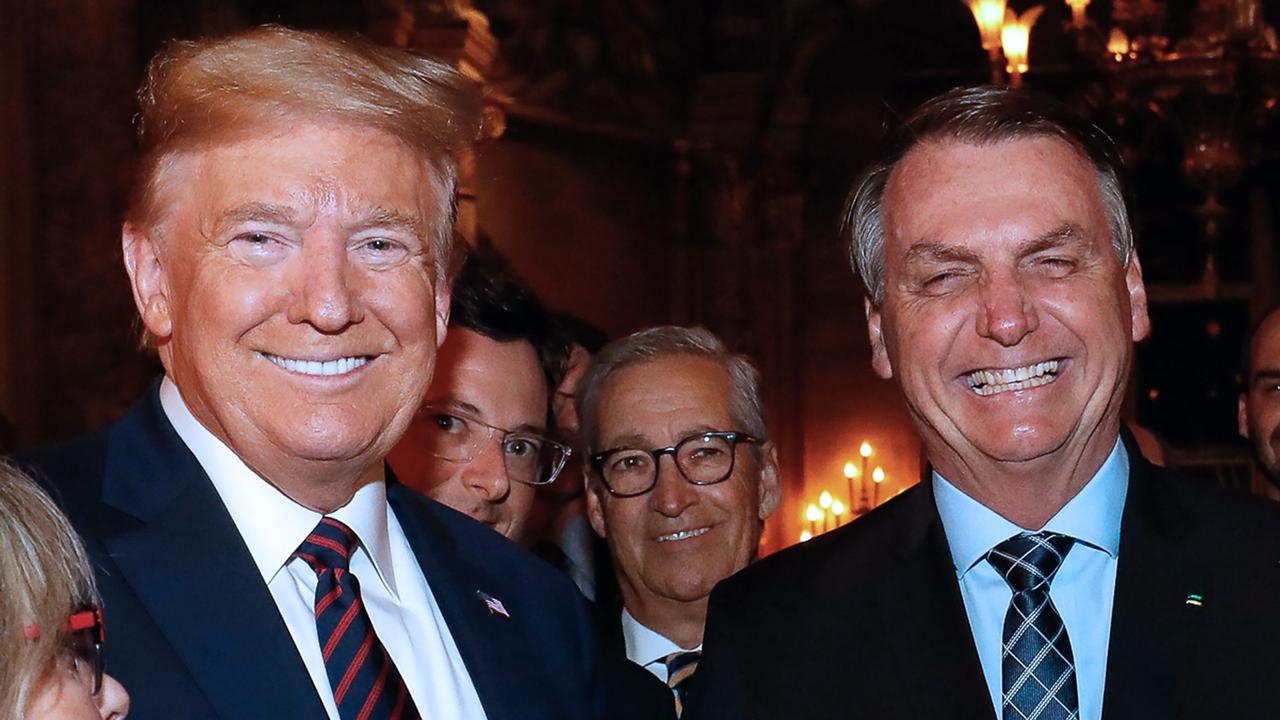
(992, 382)
(682, 535)
(341, 366)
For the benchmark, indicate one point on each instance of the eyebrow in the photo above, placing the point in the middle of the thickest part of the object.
(929, 250)
(1064, 234)
(256, 212)
(1266, 375)
(285, 215)
(638, 441)
(393, 220)
(466, 407)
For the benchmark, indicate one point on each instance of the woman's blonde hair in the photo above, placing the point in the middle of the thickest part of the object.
(44, 578)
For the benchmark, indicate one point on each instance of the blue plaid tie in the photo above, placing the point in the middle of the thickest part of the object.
(1036, 663)
(365, 683)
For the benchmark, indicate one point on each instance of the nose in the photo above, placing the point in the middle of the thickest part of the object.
(486, 474)
(672, 494)
(325, 296)
(1006, 311)
(113, 701)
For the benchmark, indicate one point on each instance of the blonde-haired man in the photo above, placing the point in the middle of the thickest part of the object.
(290, 250)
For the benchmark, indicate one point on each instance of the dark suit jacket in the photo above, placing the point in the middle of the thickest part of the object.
(868, 621)
(634, 692)
(193, 632)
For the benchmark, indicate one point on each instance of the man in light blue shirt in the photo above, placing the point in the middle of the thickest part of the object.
(1047, 571)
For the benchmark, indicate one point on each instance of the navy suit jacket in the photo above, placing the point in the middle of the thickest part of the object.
(192, 629)
(868, 621)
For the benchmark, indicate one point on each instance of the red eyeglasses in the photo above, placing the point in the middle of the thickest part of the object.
(86, 636)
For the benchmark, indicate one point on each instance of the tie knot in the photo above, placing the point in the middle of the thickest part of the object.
(1029, 561)
(680, 665)
(328, 547)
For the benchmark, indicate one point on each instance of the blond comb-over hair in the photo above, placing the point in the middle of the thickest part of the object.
(204, 92)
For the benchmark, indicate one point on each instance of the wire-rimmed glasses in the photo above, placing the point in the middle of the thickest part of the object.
(704, 458)
(457, 436)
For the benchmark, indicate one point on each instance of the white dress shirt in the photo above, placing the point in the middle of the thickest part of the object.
(648, 648)
(403, 611)
(1083, 591)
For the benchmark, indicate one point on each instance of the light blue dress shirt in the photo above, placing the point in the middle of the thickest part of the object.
(1082, 591)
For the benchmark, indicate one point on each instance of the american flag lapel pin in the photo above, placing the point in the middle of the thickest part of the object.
(493, 604)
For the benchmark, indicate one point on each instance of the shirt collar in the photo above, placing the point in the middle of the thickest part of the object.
(1092, 516)
(272, 524)
(645, 646)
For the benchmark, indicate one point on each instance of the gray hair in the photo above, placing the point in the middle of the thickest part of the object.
(745, 403)
(984, 115)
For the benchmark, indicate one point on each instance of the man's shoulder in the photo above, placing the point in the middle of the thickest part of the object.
(862, 551)
(1214, 513)
(510, 566)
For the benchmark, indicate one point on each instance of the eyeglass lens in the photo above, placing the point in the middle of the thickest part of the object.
(526, 458)
(703, 459)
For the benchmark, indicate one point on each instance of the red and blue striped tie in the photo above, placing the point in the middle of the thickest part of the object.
(366, 684)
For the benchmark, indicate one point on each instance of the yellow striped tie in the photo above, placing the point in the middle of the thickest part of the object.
(680, 666)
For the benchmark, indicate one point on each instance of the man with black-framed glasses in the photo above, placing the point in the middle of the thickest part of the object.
(479, 443)
(681, 476)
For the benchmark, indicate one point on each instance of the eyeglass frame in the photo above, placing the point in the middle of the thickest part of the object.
(88, 618)
(439, 409)
(732, 436)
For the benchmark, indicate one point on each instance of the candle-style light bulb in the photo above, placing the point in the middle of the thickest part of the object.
(837, 508)
(865, 449)
(850, 470)
(1078, 17)
(812, 513)
(877, 475)
(824, 500)
(1015, 38)
(805, 536)
(989, 16)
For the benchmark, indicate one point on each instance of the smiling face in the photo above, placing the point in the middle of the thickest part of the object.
(1259, 412)
(291, 289)
(674, 543)
(1008, 319)
(502, 384)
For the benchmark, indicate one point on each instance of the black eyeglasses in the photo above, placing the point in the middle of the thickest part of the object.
(703, 459)
(527, 457)
(86, 637)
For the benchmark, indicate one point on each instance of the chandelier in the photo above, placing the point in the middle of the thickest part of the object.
(1214, 83)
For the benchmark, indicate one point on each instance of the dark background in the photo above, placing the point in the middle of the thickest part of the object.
(663, 161)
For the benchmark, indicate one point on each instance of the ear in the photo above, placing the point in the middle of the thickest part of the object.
(1139, 321)
(879, 356)
(147, 279)
(595, 504)
(1242, 416)
(769, 487)
(444, 299)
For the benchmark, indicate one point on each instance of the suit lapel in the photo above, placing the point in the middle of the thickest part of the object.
(1154, 627)
(190, 568)
(490, 644)
(921, 607)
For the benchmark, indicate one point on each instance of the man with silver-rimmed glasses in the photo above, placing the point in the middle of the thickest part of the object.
(681, 476)
(479, 443)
